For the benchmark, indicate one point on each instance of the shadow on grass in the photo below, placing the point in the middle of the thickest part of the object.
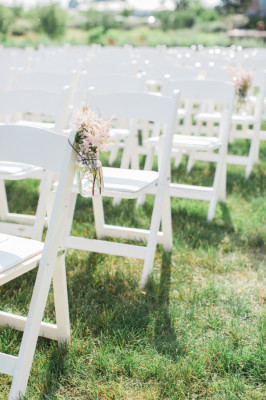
(254, 186)
(105, 302)
(22, 195)
(165, 339)
(110, 307)
(190, 227)
(56, 369)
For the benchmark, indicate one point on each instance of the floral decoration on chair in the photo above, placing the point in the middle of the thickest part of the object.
(242, 81)
(91, 137)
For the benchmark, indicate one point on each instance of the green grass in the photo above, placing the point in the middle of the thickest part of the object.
(140, 36)
(197, 331)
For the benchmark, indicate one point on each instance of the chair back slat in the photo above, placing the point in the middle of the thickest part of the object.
(33, 101)
(222, 92)
(32, 145)
(146, 106)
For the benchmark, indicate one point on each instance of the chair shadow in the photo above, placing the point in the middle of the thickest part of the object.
(165, 340)
(130, 309)
(56, 369)
(226, 216)
(196, 230)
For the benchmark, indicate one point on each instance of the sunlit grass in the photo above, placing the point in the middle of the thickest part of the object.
(197, 331)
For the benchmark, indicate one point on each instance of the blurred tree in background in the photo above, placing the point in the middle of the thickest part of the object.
(105, 20)
(52, 20)
(234, 6)
(6, 19)
(182, 4)
(189, 23)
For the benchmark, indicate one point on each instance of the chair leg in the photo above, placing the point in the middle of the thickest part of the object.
(113, 153)
(61, 300)
(98, 213)
(221, 192)
(147, 167)
(219, 186)
(153, 237)
(3, 201)
(71, 210)
(129, 156)
(178, 158)
(30, 336)
(191, 162)
(253, 156)
(45, 188)
(167, 222)
(212, 207)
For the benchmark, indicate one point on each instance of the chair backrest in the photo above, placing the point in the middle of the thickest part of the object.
(58, 63)
(140, 106)
(222, 92)
(146, 106)
(51, 151)
(15, 60)
(110, 67)
(7, 77)
(48, 103)
(110, 83)
(218, 74)
(205, 95)
(32, 145)
(255, 63)
(259, 87)
(41, 80)
(158, 72)
(105, 84)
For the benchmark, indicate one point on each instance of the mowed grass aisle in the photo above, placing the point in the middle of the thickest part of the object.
(197, 331)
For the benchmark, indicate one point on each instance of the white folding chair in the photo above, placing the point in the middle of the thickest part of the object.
(7, 76)
(252, 118)
(51, 151)
(156, 73)
(109, 84)
(106, 83)
(130, 183)
(241, 123)
(107, 65)
(40, 102)
(207, 148)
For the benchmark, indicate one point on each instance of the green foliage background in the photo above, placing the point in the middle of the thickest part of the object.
(189, 24)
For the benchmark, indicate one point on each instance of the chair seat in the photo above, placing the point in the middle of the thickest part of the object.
(118, 134)
(200, 143)
(205, 116)
(14, 171)
(181, 112)
(16, 250)
(216, 117)
(186, 142)
(243, 119)
(126, 183)
(38, 124)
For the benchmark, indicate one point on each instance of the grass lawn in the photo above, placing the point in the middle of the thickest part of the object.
(197, 331)
(139, 36)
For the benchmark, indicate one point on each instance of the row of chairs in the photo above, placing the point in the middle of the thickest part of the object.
(219, 56)
(197, 147)
(51, 152)
(50, 155)
(78, 85)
